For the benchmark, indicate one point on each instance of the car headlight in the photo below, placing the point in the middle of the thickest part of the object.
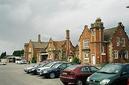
(104, 81)
(88, 79)
(32, 69)
(45, 71)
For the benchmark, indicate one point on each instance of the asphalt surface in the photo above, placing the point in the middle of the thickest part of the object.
(13, 74)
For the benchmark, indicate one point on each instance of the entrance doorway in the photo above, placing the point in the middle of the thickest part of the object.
(93, 60)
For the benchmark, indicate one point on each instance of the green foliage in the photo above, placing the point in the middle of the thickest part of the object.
(34, 60)
(64, 58)
(18, 52)
(3, 55)
(75, 60)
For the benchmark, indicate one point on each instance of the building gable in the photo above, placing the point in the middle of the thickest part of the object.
(85, 34)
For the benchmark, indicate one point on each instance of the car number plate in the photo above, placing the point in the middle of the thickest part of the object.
(64, 73)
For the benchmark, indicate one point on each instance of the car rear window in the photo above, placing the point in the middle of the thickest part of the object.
(72, 67)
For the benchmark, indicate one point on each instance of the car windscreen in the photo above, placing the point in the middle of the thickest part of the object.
(49, 64)
(35, 65)
(56, 65)
(110, 68)
(72, 67)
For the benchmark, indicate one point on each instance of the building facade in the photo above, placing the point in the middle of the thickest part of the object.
(60, 50)
(99, 45)
(35, 50)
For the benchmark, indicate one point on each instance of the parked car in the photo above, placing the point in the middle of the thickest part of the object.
(42, 64)
(33, 69)
(77, 74)
(110, 74)
(21, 61)
(29, 69)
(55, 70)
(4, 61)
(49, 65)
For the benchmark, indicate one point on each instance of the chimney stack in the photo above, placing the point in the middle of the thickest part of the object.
(67, 35)
(39, 38)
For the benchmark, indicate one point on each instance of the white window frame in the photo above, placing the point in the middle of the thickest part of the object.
(115, 54)
(86, 43)
(123, 42)
(118, 41)
(127, 54)
(30, 50)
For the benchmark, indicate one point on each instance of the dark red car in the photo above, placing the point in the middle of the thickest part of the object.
(77, 74)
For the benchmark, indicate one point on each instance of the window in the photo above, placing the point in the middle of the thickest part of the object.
(84, 69)
(115, 54)
(29, 49)
(93, 69)
(86, 43)
(86, 55)
(102, 49)
(63, 66)
(126, 55)
(123, 42)
(93, 31)
(126, 69)
(118, 41)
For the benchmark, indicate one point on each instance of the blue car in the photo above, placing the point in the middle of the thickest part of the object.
(55, 70)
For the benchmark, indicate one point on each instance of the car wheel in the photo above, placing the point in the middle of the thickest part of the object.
(79, 82)
(65, 83)
(52, 75)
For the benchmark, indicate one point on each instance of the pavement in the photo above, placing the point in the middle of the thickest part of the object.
(13, 74)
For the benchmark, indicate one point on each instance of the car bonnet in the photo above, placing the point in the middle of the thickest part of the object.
(100, 76)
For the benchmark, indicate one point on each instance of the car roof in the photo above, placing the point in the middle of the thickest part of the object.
(119, 63)
(81, 65)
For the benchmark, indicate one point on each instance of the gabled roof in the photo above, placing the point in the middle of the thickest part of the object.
(84, 30)
(59, 44)
(108, 33)
(39, 44)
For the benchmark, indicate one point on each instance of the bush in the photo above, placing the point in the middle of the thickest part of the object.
(33, 60)
(75, 60)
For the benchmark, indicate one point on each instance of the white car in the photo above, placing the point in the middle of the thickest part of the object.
(20, 61)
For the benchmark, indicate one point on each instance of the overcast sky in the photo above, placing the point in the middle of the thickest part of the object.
(22, 20)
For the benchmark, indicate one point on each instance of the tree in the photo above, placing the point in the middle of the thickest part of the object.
(3, 55)
(18, 52)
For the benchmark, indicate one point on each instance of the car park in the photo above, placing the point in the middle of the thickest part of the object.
(55, 70)
(110, 74)
(77, 74)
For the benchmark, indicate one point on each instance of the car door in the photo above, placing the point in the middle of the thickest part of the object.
(61, 67)
(84, 72)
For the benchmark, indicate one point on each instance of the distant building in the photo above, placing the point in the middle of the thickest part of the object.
(60, 50)
(98, 45)
(35, 49)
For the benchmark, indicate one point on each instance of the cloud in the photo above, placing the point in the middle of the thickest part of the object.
(22, 20)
